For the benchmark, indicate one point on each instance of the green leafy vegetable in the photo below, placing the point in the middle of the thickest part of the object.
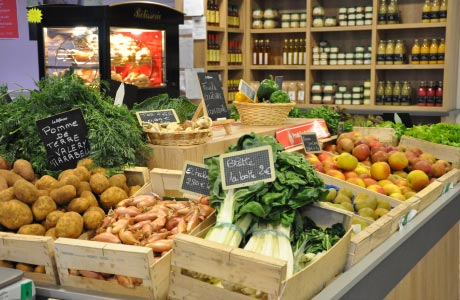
(266, 88)
(440, 133)
(279, 96)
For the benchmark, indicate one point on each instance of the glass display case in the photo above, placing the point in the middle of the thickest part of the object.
(136, 43)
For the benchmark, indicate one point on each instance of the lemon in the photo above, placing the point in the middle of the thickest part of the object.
(240, 97)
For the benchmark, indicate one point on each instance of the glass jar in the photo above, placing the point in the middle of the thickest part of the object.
(329, 88)
(285, 24)
(257, 13)
(316, 99)
(318, 22)
(343, 17)
(292, 91)
(330, 21)
(270, 13)
(300, 92)
(342, 88)
(295, 24)
(328, 99)
(316, 88)
(318, 11)
(342, 10)
(295, 17)
(285, 17)
(258, 24)
(270, 23)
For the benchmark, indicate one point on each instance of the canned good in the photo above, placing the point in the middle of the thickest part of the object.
(257, 24)
(295, 16)
(318, 22)
(330, 21)
(270, 23)
(295, 24)
(351, 23)
(316, 99)
(285, 24)
(359, 22)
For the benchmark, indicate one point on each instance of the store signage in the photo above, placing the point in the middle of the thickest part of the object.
(246, 89)
(195, 178)
(310, 142)
(213, 96)
(279, 81)
(162, 116)
(244, 168)
(8, 20)
(65, 139)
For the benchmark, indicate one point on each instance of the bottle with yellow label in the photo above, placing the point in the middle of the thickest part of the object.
(435, 7)
(381, 52)
(424, 52)
(443, 11)
(426, 12)
(399, 56)
(389, 52)
(433, 52)
(382, 14)
(393, 16)
(441, 51)
(415, 53)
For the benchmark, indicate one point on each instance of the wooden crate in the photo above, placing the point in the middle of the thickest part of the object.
(137, 176)
(119, 259)
(254, 270)
(384, 135)
(29, 249)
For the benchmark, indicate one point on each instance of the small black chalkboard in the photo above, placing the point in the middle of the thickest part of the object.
(65, 139)
(310, 142)
(163, 116)
(244, 168)
(213, 96)
(279, 81)
(195, 178)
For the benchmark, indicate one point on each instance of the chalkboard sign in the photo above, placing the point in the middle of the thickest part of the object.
(244, 168)
(195, 178)
(213, 96)
(65, 139)
(279, 81)
(163, 116)
(246, 89)
(310, 142)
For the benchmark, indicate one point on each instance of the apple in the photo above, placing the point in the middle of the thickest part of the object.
(331, 148)
(398, 196)
(417, 180)
(380, 155)
(440, 168)
(336, 174)
(327, 165)
(428, 157)
(323, 155)
(380, 170)
(345, 145)
(398, 161)
(350, 174)
(319, 168)
(391, 188)
(425, 166)
(361, 152)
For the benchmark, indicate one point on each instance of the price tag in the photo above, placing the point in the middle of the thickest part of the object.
(213, 96)
(65, 138)
(279, 81)
(163, 116)
(244, 168)
(310, 142)
(246, 89)
(195, 178)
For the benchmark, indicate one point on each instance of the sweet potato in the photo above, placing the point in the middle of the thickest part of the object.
(24, 168)
(52, 218)
(119, 180)
(6, 264)
(99, 183)
(110, 197)
(25, 191)
(79, 204)
(14, 214)
(40, 269)
(7, 194)
(64, 194)
(45, 182)
(70, 179)
(93, 217)
(4, 164)
(82, 173)
(70, 225)
(32, 229)
(42, 207)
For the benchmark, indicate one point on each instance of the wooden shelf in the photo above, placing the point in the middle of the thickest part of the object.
(235, 30)
(278, 67)
(341, 28)
(411, 26)
(278, 30)
(410, 67)
(215, 68)
(340, 67)
(215, 29)
(235, 67)
(434, 110)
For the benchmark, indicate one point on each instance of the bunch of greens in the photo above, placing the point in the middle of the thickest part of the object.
(399, 128)
(3, 93)
(116, 140)
(184, 108)
(313, 241)
(440, 133)
(332, 116)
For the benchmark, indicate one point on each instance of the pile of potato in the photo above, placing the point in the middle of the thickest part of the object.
(68, 206)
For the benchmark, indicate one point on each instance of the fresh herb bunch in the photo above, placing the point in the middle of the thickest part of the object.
(116, 140)
(3, 93)
(332, 116)
(184, 108)
(440, 133)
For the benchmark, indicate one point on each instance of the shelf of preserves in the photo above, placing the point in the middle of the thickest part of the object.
(278, 30)
(215, 29)
(410, 67)
(235, 30)
(341, 28)
(235, 67)
(411, 26)
(339, 68)
(277, 67)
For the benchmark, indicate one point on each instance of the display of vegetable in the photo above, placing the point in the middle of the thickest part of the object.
(115, 137)
(266, 88)
(332, 116)
(441, 133)
(280, 96)
(184, 108)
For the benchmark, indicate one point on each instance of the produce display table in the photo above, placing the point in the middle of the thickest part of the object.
(173, 157)
(430, 242)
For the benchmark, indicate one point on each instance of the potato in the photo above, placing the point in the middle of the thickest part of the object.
(86, 162)
(24, 168)
(10, 176)
(70, 179)
(40, 269)
(120, 181)
(52, 218)
(111, 197)
(4, 164)
(70, 225)
(6, 264)
(25, 191)
(32, 229)
(51, 232)
(14, 214)
(83, 186)
(42, 207)
(45, 182)
(99, 183)
(98, 170)
(3, 183)
(93, 217)
(65, 173)
(43, 193)
(133, 189)
(82, 173)
(79, 204)
(92, 199)
(25, 267)
(7, 194)
(64, 194)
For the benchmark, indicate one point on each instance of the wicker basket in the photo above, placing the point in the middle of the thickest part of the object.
(180, 138)
(263, 113)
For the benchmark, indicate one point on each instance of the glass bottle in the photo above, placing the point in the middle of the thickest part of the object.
(389, 52)
(393, 12)
(209, 50)
(267, 53)
(211, 13)
(290, 52)
(261, 53)
(231, 54)
(285, 52)
(230, 17)
(433, 52)
(421, 94)
(430, 94)
(237, 17)
(434, 14)
(396, 94)
(400, 53)
(424, 52)
(443, 11)
(441, 51)
(239, 54)
(300, 53)
(426, 12)
(304, 52)
(295, 52)
(381, 52)
(217, 49)
(438, 94)
(380, 93)
(217, 13)
(406, 92)
(415, 53)
(255, 53)
(388, 94)
(382, 13)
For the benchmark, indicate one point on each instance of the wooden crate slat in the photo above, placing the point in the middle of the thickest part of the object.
(137, 175)
(429, 194)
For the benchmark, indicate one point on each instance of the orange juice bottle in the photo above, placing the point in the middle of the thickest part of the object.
(433, 52)
(426, 12)
(435, 7)
(441, 51)
(443, 11)
(415, 53)
(424, 52)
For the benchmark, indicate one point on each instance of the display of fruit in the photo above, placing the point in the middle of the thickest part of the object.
(397, 171)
